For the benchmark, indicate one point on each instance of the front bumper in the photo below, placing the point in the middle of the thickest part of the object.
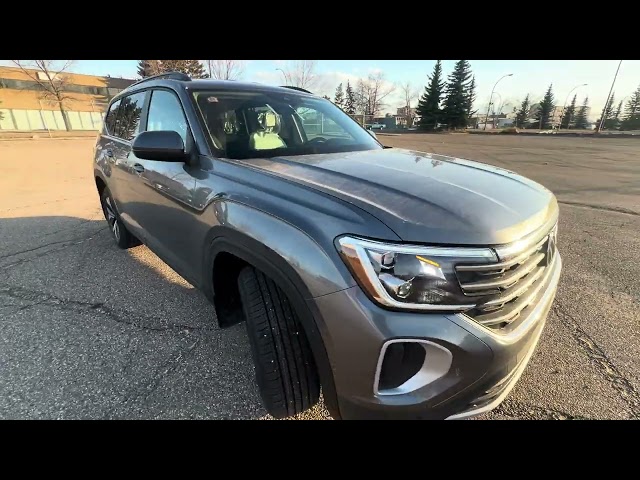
(478, 370)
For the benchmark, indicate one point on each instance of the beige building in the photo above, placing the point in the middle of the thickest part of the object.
(25, 105)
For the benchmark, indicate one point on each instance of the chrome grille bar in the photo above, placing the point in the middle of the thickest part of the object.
(510, 286)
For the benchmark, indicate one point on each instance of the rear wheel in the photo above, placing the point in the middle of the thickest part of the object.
(120, 233)
(286, 372)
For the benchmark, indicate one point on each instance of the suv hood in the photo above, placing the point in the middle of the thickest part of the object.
(425, 198)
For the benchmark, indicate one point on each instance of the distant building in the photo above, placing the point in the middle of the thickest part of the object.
(25, 108)
(403, 114)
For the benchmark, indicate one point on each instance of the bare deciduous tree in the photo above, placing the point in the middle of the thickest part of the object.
(409, 94)
(52, 80)
(301, 74)
(225, 69)
(372, 92)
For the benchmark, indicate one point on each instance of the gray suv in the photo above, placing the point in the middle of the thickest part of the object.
(404, 284)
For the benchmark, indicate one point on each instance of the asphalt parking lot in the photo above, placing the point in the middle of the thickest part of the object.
(91, 331)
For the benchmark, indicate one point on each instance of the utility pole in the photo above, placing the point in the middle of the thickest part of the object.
(599, 127)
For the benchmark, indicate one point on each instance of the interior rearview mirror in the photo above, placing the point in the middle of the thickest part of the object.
(160, 145)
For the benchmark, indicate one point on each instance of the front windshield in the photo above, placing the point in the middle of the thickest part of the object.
(258, 124)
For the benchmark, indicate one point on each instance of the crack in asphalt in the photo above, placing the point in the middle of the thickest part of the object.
(77, 306)
(164, 369)
(65, 244)
(591, 206)
(610, 372)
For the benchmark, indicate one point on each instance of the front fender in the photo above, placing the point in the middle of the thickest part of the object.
(294, 261)
(318, 268)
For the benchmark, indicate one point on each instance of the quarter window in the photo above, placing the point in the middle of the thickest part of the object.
(130, 112)
(165, 113)
(111, 120)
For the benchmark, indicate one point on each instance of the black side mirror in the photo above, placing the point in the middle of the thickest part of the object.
(160, 145)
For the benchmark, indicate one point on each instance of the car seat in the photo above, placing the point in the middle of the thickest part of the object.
(267, 138)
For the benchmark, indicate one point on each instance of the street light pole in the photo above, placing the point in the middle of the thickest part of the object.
(284, 75)
(493, 113)
(599, 127)
(565, 104)
(491, 98)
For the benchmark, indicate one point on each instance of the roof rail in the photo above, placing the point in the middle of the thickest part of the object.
(296, 88)
(168, 75)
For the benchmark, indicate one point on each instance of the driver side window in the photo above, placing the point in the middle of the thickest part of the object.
(165, 113)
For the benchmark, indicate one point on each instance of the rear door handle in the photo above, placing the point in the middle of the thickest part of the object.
(138, 168)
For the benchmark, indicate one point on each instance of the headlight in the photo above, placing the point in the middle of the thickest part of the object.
(410, 276)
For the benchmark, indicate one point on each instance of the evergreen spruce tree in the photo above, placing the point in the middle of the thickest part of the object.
(581, 117)
(146, 68)
(193, 68)
(632, 112)
(471, 97)
(339, 97)
(616, 118)
(523, 113)
(455, 105)
(428, 109)
(609, 114)
(569, 114)
(545, 110)
(350, 100)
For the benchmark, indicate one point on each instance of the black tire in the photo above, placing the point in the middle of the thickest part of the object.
(121, 235)
(286, 372)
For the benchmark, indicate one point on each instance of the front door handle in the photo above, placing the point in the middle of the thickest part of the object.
(109, 153)
(138, 168)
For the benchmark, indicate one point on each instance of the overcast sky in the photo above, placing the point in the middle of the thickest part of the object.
(529, 76)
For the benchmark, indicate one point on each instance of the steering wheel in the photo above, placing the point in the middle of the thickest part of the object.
(317, 140)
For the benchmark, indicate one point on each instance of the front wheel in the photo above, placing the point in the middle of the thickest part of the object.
(286, 372)
(120, 233)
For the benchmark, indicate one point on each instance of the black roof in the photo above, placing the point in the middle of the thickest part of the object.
(207, 83)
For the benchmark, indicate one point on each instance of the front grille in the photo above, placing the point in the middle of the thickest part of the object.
(507, 290)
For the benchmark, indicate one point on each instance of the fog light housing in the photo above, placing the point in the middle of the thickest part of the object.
(401, 362)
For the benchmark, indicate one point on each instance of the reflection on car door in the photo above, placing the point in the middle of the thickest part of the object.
(164, 194)
(127, 126)
(111, 152)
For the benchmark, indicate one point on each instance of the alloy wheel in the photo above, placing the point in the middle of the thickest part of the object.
(112, 219)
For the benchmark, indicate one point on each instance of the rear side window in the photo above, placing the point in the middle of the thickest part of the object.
(130, 112)
(111, 121)
(165, 113)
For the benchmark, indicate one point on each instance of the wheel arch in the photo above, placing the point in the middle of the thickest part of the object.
(100, 183)
(239, 249)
